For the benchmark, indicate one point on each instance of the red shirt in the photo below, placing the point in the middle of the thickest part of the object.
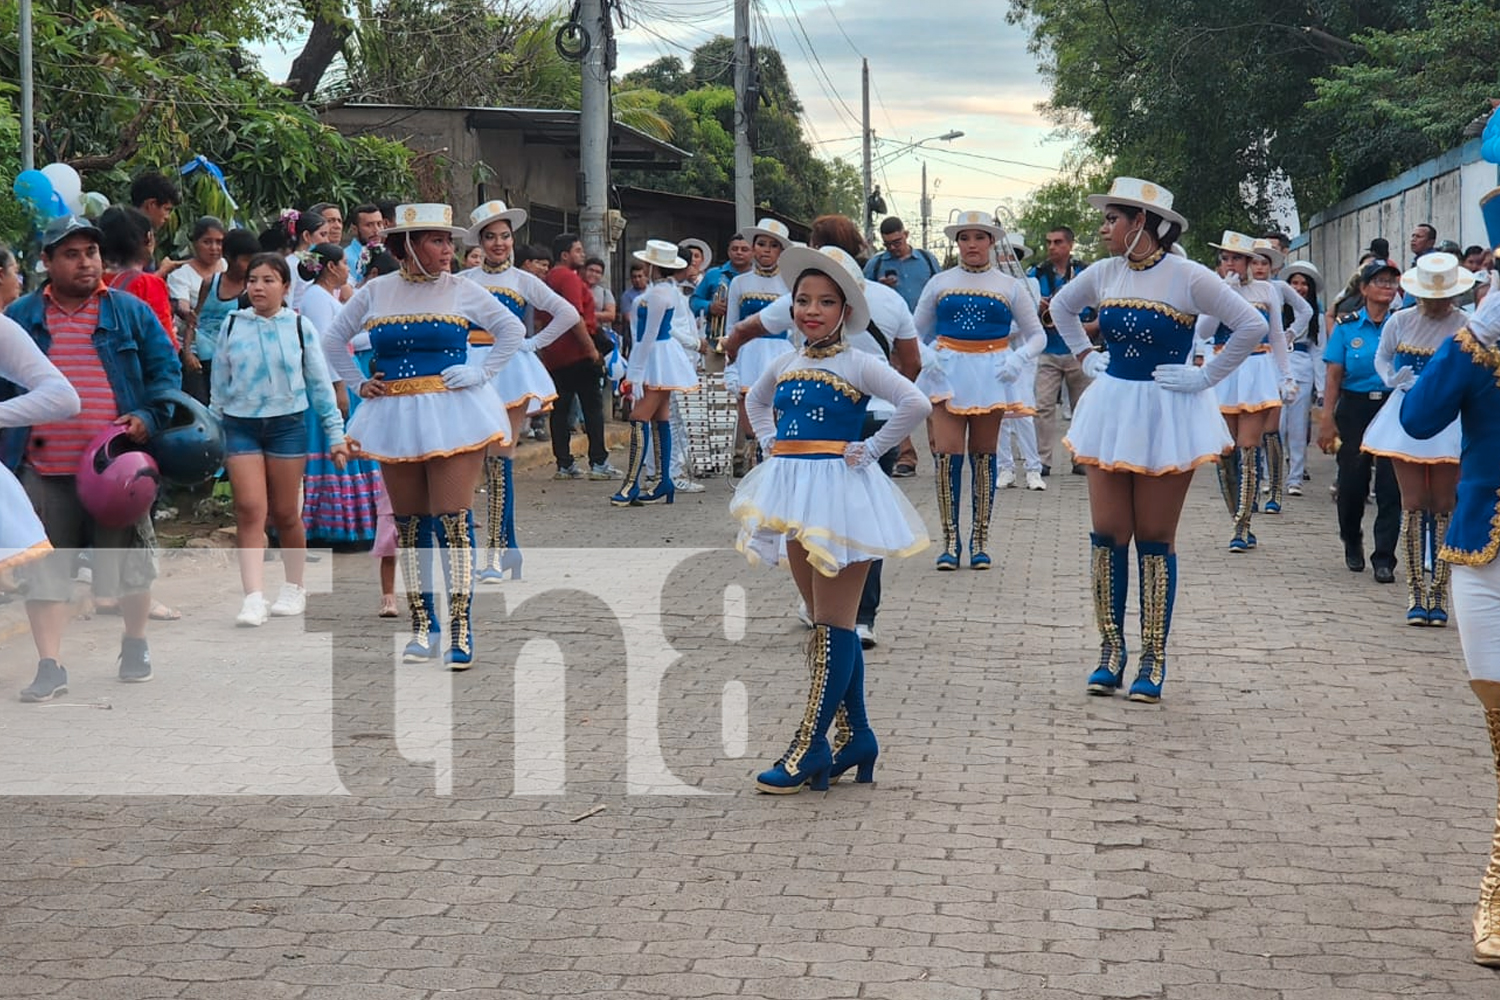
(151, 290)
(54, 448)
(567, 351)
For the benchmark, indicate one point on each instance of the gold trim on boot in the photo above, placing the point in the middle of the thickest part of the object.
(1437, 594)
(1155, 581)
(459, 555)
(1229, 481)
(494, 483)
(1111, 630)
(1249, 484)
(817, 673)
(1411, 548)
(982, 507)
(1487, 910)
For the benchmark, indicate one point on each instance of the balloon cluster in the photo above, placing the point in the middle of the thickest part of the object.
(56, 190)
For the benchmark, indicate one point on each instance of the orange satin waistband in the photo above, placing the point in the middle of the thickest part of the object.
(1260, 349)
(974, 346)
(809, 447)
(414, 386)
(481, 338)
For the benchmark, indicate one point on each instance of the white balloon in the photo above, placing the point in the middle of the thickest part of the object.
(67, 184)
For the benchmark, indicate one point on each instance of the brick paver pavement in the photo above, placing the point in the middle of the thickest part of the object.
(1305, 816)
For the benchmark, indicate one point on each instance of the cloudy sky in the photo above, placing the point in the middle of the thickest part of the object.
(935, 67)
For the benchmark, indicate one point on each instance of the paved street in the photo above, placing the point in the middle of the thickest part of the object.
(286, 814)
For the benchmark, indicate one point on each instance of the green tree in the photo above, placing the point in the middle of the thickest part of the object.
(1063, 202)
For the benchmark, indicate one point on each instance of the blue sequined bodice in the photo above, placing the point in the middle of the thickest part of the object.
(752, 303)
(510, 299)
(816, 405)
(663, 332)
(1223, 333)
(1415, 358)
(413, 346)
(1140, 334)
(973, 314)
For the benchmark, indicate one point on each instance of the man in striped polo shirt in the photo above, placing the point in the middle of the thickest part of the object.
(113, 350)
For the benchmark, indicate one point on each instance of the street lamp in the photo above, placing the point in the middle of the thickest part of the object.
(894, 154)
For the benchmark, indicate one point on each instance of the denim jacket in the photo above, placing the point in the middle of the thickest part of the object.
(137, 356)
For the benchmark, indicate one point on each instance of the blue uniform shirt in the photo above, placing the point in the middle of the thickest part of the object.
(912, 273)
(1352, 344)
(1050, 282)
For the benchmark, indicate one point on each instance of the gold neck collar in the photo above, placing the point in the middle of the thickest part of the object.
(489, 268)
(1148, 263)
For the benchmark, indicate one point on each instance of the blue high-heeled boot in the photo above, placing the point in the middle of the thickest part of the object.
(854, 743)
(950, 485)
(983, 471)
(629, 494)
(833, 653)
(661, 442)
(414, 538)
(501, 554)
(456, 544)
(1157, 564)
(1110, 574)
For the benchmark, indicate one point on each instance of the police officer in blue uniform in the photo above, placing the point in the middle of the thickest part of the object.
(1354, 394)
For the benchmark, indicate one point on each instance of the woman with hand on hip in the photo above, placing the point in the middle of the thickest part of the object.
(1427, 468)
(523, 385)
(1149, 419)
(428, 414)
(821, 503)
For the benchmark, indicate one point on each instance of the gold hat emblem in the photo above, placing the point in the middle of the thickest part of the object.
(1148, 192)
(410, 215)
(447, 215)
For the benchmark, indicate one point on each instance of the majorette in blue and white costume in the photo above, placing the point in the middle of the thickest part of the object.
(429, 403)
(1254, 389)
(657, 361)
(982, 326)
(1462, 380)
(1148, 412)
(1426, 468)
(822, 493)
(524, 386)
(34, 392)
(751, 292)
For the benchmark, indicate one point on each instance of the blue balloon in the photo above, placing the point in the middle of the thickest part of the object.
(33, 186)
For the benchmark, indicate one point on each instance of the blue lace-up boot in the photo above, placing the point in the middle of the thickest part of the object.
(1110, 574)
(1157, 564)
(832, 655)
(414, 538)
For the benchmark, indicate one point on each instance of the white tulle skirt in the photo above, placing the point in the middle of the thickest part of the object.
(1121, 425)
(428, 425)
(524, 379)
(967, 384)
(668, 367)
(839, 515)
(756, 356)
(1250, 387)
(21, 535)
(1385, 436)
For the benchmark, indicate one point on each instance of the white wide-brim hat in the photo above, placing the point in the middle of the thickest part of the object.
(1271, 252)
(1305, 268)
(493, 211)
(1233, 242)
(1437, 276)
(982, 221)
(708, 255)
(1141, 194)
(422, 217)
(1018, 247)
(660, 253)
(845, 272)
(774, 228)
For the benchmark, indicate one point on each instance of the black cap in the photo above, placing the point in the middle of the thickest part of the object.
(1380, 247)
(1375, 266)
(64, 226)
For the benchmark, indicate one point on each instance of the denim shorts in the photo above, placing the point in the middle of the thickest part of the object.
(275, 437)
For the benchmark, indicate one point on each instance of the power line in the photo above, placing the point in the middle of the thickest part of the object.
(830, 91)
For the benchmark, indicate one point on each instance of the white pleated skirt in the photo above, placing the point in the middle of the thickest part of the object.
(1385, 436)
(967, 384)
(1251, 387)
(524, 379)
(669, 367)
(22, 537)
(755, 357)
(426, 425)
(1121, 425)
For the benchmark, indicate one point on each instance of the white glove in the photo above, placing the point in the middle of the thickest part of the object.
(1289, 390)
(528, 345)
(1095, 362)
(1485, 323)
(859, 454)
(766, 444)
(1180, 378)
(1011, 366)
(1403, 378)
(463, 376)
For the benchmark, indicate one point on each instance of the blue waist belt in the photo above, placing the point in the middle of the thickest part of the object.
(1300, 347)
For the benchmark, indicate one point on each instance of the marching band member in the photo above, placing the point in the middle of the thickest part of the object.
(748, 295)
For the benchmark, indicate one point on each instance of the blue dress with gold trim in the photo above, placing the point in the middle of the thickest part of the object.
(814, 404)
(749, 293)
(973, 319)
(656, 359)
(1253, 385)
(524, 379)
(1409, 339)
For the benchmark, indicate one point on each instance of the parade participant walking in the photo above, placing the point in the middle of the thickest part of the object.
(967, 314)
(657, 368)
(1149, 418)
(748, 295)
(269, 371)
(1462, 381)
(523, 385)
(1307, 369)
(1057, 368)
(1250, 395)
(1354, 395)
(820, 502)
(428, 415)
(1427, 468)
(711, 300)
(1019, 432)
(1296, 314)
(113, 351)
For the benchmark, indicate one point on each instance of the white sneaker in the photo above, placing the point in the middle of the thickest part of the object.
(1034, 481)
(1006, 479)
(1294, 489)
(686, 485)
(252, 612)
(802, 615)
(866, 635)
(291, 601)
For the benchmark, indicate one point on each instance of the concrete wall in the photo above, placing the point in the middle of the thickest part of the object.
(1444, 191)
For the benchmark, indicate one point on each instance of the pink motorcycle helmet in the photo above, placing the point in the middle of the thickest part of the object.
(116, 479)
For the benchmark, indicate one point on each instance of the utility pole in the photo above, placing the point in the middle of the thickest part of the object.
(744, 159)
(926, 205)
(869, 186)
(594, 128)
(28, 127)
